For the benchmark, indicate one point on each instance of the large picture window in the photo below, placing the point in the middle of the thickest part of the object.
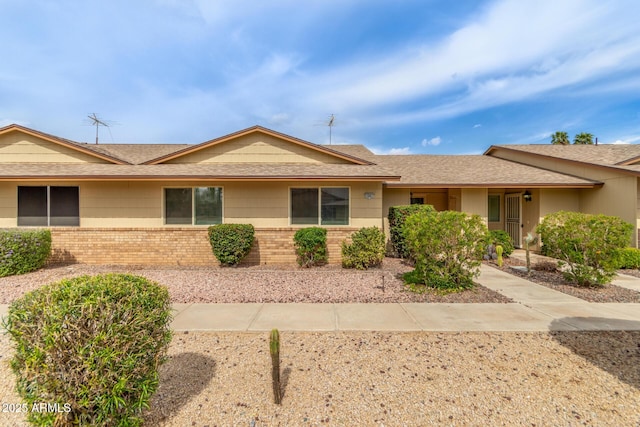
(48, 206)
(199, 205)
(320, 206)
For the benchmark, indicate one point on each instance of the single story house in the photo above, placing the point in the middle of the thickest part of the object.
(152, 203)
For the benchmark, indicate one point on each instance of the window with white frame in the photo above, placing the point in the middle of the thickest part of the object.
(193, 205)
(48, 206)
(320, 206)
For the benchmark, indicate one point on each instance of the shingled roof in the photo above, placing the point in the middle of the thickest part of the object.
(458, 171)
(616, 156)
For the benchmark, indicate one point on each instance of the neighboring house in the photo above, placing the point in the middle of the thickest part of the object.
(616, 167)
(152, 203)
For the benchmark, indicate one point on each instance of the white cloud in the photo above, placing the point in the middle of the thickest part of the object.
(403, 150)
(433, 141)
(485, 64)
(632, 139)
(477, 125)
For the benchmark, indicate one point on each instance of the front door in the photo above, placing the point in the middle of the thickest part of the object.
(513, 218)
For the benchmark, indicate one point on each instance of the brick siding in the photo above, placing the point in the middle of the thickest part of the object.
(174, 246)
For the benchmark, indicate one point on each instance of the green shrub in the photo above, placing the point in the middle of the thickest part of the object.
(445, 248)
(231, 242)
(23, 251)
(587, 244)
(397, 218)
(501, 238)
(92, 345)
(365, 250)
(628, 258)
(311, 246)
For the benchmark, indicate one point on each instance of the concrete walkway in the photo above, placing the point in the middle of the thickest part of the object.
(536, 308)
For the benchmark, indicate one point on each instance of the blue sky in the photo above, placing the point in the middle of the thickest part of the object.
(400, 76)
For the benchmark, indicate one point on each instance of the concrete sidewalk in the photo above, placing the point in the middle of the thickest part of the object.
(536, 308)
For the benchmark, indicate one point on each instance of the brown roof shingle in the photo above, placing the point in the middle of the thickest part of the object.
(473, 171)
(238, 171)
(602, 154)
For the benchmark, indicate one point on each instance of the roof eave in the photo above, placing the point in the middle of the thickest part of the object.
(260, 178)
(493, 185)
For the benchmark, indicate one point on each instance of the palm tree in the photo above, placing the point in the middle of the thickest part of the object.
(583, 138)
(560, 138)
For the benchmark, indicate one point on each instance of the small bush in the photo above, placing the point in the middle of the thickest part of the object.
(92, 345)
(587, 244)
(445, 248)
(23, 251)
(501, 238)
(311, 246)
(231, 242)
(366, 249)
(397, 218)
(628, 258)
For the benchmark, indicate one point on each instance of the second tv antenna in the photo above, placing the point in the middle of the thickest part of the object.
(95, 121)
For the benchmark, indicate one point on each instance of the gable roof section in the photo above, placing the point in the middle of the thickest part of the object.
(257, 129)
(467, 171)
(621, 157)
(138, 153)
(81, 148)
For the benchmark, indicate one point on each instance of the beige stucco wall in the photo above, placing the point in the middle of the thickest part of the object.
(8, 204)
(618, 196)
(559, 199)
(140, 204)
(17, 147)
(257, 148)
(474, 201)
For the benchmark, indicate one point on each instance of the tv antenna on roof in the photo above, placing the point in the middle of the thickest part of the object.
(95, 121)
(331, 123)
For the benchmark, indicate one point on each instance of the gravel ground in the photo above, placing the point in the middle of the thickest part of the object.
(366, 378)
(555, 280)
(262, 284)
(393, 379)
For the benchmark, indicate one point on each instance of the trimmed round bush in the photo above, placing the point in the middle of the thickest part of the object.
(22, 251)
(444, 246)
(231, 243)
(397, 217)
(311, 246)
(366, 249)
(586, 244)
(92, 346)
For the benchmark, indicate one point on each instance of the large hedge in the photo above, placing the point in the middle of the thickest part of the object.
(586, 245)
(90, 346)
(366, 249)
(22, 251)
(397, 218)
(445, 248)
(231, 242)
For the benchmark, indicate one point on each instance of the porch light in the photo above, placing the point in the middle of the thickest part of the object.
(527, 196)
(369, 195)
